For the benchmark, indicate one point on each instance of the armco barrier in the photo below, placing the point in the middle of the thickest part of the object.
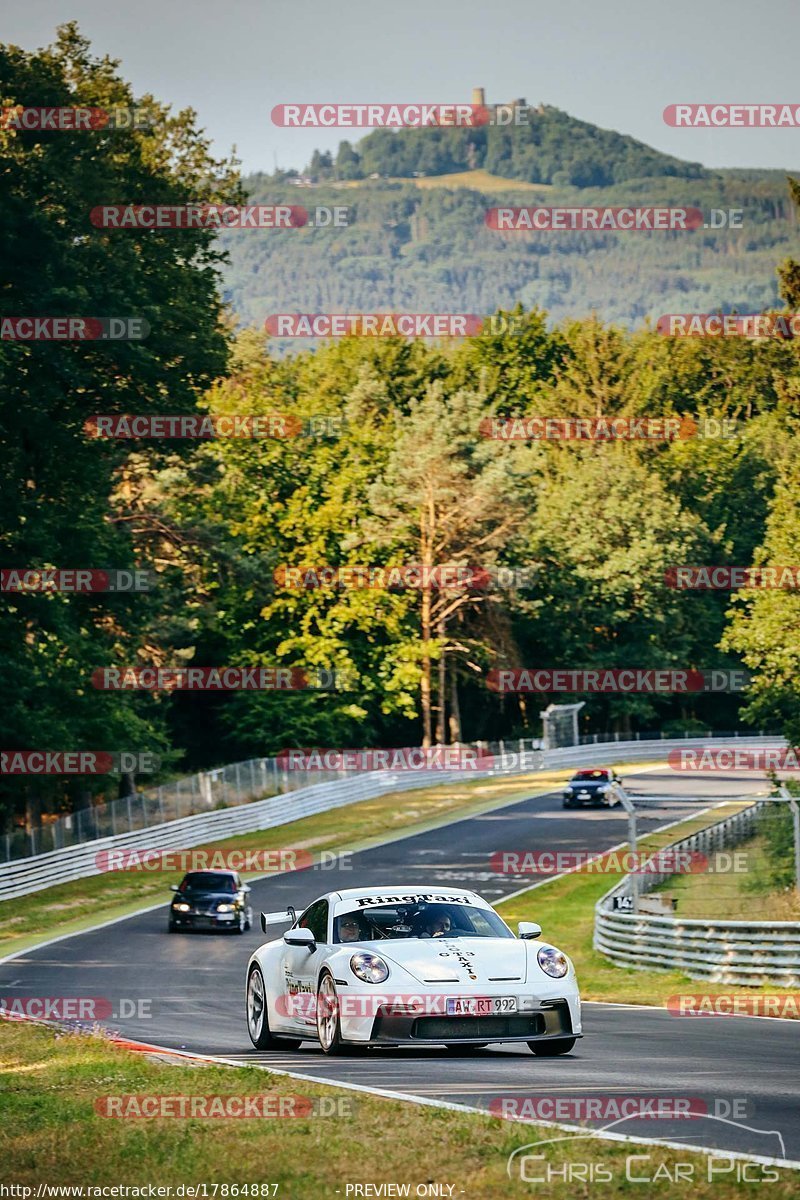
(744, 953)
(21, 876)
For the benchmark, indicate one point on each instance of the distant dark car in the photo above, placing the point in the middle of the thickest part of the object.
(210, 900)
(594, 785)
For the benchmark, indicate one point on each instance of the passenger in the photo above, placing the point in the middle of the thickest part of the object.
(437, 926)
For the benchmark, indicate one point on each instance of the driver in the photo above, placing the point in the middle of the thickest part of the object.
(350, 928)
(437, 926)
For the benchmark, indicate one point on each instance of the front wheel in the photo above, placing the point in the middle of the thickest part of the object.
(551, 1049)
(241, 923)
(329, 1025)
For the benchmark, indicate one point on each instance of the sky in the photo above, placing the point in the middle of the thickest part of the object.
(616, 64)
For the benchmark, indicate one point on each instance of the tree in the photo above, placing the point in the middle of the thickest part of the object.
(444, 497)
(57, 483)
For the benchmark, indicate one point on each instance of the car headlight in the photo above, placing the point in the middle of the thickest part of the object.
(181, 907)
(553, 962)
(225, 908)
(369, 967)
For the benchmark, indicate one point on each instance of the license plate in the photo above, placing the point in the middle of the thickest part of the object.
(480, 1006)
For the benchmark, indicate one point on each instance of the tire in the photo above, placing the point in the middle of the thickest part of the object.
(241, 924)
(329, 1026)
(172, 927)
(566, 804)
(249, 921)
(551, 1049)
(257, 1023)
(465, 1048)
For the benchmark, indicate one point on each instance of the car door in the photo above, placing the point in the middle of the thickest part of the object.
(301, 967)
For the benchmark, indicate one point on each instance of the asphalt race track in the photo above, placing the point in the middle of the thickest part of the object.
(187, 991)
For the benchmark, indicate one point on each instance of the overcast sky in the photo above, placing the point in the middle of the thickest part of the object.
(616, 63)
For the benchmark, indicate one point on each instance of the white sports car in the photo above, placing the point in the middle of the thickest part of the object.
(410, 966)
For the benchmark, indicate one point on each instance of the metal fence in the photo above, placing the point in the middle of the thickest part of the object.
(224, 787)
(744, 953)
(243, 782)
(75, 861)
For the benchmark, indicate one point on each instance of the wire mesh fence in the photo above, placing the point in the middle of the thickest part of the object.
(206, 791)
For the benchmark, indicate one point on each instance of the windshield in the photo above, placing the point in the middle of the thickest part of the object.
(596, 775)
(418, 920)
(208, 881)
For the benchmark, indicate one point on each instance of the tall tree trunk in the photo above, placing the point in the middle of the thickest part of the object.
(455, 710)
(425, 683)
(440, 715)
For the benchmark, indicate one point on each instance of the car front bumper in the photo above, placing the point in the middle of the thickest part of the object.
(548, 1022)
(204, 920)
(558, 1016)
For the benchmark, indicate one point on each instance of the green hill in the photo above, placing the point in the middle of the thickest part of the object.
(417, 250)
(550, 147)
(421, 244)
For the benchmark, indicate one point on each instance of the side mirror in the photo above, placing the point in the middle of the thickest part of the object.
(528, 930)
(245, 887)
(173, 887)
(300, 937)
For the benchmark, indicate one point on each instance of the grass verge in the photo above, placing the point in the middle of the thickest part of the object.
(735, 895)
(71, 907)
(53, 1134)
(565, 910)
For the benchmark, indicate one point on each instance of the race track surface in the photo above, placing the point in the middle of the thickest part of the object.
(186, 991)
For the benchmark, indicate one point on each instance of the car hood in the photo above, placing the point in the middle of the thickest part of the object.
(460, 960)
(205, 897)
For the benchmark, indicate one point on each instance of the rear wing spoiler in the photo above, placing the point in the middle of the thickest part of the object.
(288, 914)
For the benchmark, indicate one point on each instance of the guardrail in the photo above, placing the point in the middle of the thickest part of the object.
(22, 876)
(743, 953)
